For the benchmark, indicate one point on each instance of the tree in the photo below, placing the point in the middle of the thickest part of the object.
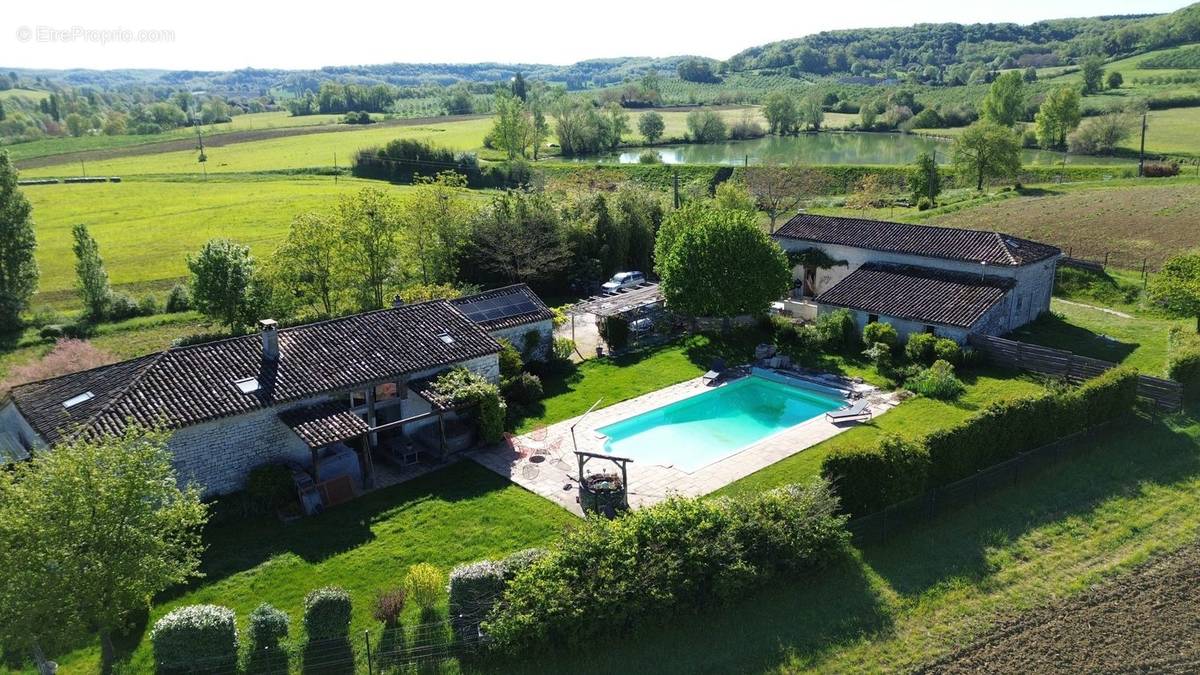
(1005, 100)
(1093, 74)
(89, 533)
(706, 126)
(90, 276)
(220, 285)
(1114, 81)
(617, 123)
(924, 179)
(519, 237)
(512, 129)
(1057, 117)
(778, 190)
(867, 115)
(1100, 135)
(986, 149)
(869, 193)
(714, 262)
(1030, 74)
(76, 124)
(732, 195)
(18, 269)
(307, 262)
(811, 112)
(435, 218)
(651, 126)
(518, 86)
(780, 111)
(696, 70)
(1176, 288)
(371, 256)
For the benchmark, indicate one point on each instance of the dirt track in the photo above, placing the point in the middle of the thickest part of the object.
(229, 138)
(1144, 621)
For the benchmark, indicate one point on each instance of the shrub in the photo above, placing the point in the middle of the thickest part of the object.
(880, 354)
(924, 204)
(327, 614)
(563, 348)
(269, 486)
(649, 157)
(937, 381)
(615, 332)
(867, 479)
(1160, 169)
(196, 638)
(388, 606)
(878, 331)
(1183, 360)
(268, 627)
(524, 389)
(836, 330)
(462, 387)
(920, 348)
(531, 343)
(511, 362)
(424, 584)
(945, 349)
(51, 332)
(178, 300)
(122, 307)
(474, 590)
(606, 577)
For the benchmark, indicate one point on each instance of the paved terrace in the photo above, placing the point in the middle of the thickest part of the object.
(650, 483)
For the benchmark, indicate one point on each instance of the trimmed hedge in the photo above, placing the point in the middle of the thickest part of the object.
(268, 627)
(606, 577)
(476, 587)
(869, 479)
(327, 614)
(196, 639)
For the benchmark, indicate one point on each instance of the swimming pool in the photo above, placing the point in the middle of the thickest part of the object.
(699, 430)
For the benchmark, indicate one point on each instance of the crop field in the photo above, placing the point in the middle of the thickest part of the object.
(1131, 219)
(146, 228)
(1128, 68)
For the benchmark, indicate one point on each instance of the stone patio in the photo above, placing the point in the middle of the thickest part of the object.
(551, 471)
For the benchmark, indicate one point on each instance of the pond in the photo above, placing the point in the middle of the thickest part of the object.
(823, 148)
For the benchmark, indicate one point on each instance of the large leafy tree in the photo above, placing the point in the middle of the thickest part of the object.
(18, 269)
(812, 114)
(714, 262)
(781, 113)
(519, 237)
(1005, 100)
(435, 217)
(1057, 117)
(307, 262)
(512, 130)
(987, 150)
(1093, 74)
(222, 274)
(778, 190)
(90, 276)
(89, 533)
(1176, 288)
(924, 179)
(371, 254)
(651, 126)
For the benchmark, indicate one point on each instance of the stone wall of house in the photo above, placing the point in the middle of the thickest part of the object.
(217, 455)
(903, 327)
(516, 335)
(1029, 297)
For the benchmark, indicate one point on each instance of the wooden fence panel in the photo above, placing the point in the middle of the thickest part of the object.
(1166, 394)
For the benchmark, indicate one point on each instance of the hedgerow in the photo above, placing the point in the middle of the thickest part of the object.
(196, 639)
(1183, 360)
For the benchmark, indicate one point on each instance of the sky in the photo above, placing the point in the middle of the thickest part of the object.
(224, 35)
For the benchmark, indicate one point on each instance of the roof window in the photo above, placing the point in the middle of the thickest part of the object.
(247, 385)
(76, 400)
(446, 337)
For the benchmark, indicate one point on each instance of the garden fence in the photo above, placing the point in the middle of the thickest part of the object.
(879, 526)
(1166, 394)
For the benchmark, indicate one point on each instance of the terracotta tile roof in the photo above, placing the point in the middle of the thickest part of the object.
(187, 385)
(505, 307)
(948, 243)
(325, 423)
(918, 294)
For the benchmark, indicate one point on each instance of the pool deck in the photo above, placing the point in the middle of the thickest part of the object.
(542, 461)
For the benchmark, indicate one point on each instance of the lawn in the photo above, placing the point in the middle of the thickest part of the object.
(894, 606)
(146, 228)
(913, 419)
(458, 514)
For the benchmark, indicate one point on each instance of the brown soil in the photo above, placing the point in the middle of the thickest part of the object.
(1144, 621)
(229, 138)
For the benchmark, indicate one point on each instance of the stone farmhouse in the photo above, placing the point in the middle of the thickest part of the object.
(336, 393)
(948, 281)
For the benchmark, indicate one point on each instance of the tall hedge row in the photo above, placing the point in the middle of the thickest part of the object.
(196, 639)
(868, 479)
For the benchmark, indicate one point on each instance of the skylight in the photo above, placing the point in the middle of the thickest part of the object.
(248, 385)
(76, 400)
(445, 337)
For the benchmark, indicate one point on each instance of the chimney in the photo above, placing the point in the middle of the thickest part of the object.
(397, 301)
(270, 339)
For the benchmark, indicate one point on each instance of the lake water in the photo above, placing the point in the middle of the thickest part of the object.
(824, 148)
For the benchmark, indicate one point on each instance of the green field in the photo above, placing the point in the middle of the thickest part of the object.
(146, 227)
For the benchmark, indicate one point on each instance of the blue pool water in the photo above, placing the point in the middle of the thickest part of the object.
(696, 431)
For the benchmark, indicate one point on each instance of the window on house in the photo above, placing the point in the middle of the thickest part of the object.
(80, 398)
(446, 337)
(247, 385)
(872, 318)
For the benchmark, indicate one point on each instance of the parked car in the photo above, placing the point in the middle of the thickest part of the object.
(623, 280)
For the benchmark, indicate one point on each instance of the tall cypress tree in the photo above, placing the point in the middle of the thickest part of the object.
(91, 277)
(18, 269)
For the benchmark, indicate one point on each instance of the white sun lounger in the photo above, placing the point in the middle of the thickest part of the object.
(860, 408)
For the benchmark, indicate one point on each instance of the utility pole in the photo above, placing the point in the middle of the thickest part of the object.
(1142, 152)
(335, 169)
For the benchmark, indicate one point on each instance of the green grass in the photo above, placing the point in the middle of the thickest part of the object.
(912, 419)
(930, 589)
(458, 514)
(146, 228)
(1169, 132)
